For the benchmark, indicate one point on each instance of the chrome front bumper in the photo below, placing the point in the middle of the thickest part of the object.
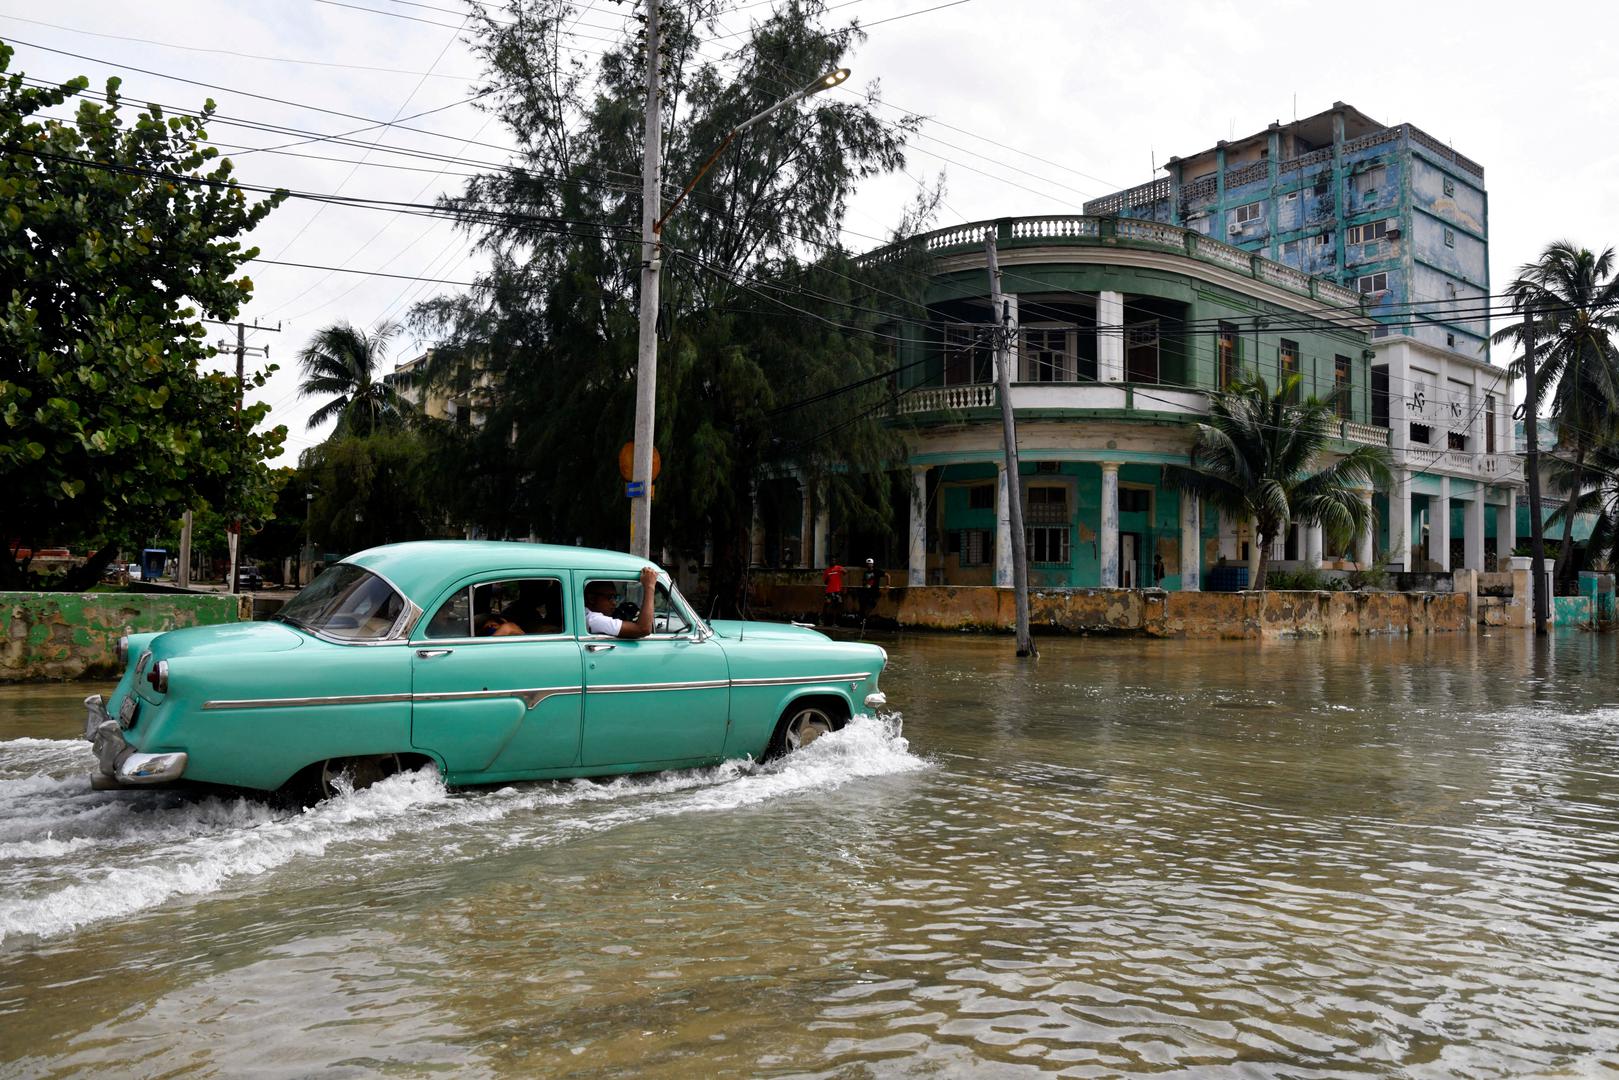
(121, 764)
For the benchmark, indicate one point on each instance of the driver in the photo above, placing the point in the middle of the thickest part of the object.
(600, 596)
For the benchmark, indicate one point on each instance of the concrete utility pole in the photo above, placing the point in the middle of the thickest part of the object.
(653, 217)
(233, 534)
(646, 365)
(1005, 332)
(183, 575)
(1537, 539)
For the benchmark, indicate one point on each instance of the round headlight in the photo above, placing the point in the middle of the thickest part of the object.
(123, 651)
(159, 676)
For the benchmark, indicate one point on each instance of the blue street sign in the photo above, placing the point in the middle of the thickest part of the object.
(634, 489)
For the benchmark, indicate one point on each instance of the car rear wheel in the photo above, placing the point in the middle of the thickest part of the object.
(355, 773)
(802, 724)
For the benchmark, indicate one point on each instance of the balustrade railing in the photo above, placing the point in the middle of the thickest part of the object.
(1367, 434)
(947, 398)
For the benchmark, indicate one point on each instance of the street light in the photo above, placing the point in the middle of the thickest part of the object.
(653, 218)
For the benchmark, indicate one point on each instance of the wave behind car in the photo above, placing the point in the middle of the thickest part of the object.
(71, 857)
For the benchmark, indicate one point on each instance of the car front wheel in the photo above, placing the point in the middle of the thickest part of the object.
(802, 724)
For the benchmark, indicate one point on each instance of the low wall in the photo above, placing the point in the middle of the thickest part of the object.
(53, 635)
(1147, 612)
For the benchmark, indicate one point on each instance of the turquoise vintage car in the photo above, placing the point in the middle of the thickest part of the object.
(382, 664)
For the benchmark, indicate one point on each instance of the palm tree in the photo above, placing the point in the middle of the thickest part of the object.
(1598, 496)
(342, 363)
(1261, 457)
(1571, 299)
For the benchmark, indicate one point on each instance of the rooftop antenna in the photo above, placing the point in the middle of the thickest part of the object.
(1295, 106)
(1154, 153)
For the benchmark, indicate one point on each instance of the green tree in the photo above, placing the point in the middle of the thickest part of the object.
(762, 308)
(117, 237)
(374, 489)
(1571, 298)
(1261, 457)
(344, 365)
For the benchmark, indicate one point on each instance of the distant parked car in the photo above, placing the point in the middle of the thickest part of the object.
(134, 571)
(248, 577)
(473, 657)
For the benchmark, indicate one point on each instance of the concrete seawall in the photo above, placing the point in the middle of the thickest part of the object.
(1144, 612)
(48, 635)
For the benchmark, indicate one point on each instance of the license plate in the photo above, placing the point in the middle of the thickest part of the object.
(126, 711)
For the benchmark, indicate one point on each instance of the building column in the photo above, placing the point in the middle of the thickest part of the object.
(918, 563)
(1191, 543)
(1003, 527)
(756, 532)
(806, 524)
(1365, 543)
(1312, 547)
(1439, 526)
(1474, 557)
(1108, 534)
(1506, 529)
(823, 518)
(1400, 520)
(1110, 336)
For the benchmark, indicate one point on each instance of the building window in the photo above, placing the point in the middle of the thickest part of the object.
(1048, 505)
(1048, 466)
(1290, 253)
(1450, 238)
(1373, 283)
(1324, 240)
(1420, 434)
(972, 547)
(1134, 500)
(1245, 215)
(1489, 423)
(1456, 440)
(1048, 354)
(1292, 196)
(1368, 233)
(1372, 180)
(1450, 340)
(1450, 186)
(1141, 352)
(1341, 388)
(1287, 365)
(966, 358)
(1228, 355)
(1047, 544)
(981, 497)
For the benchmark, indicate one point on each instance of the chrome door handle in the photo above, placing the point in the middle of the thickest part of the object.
(428, 654)
(599, 646)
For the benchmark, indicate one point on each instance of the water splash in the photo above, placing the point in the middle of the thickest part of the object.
(70, 856)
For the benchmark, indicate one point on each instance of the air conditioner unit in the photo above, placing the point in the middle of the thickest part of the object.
(1393, 232)
(1233, 229)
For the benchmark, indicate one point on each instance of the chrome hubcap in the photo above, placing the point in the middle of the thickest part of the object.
(805, 727)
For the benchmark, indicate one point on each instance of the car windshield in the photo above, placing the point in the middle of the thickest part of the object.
(346, 602)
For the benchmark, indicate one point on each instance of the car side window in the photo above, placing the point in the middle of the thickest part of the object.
(517, 606)
(511, 608)
(625, 594)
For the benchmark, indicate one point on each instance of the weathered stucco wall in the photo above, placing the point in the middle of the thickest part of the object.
(1153, 613)
(48, 635)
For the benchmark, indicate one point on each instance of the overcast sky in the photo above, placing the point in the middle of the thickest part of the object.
(1082, 99)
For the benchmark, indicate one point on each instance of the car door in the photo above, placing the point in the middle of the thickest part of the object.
(498, 707)
(656, 701)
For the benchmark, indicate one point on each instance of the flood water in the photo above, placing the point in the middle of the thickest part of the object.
(1377, 856)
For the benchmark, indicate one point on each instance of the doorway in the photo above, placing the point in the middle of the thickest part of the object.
(1129, 560)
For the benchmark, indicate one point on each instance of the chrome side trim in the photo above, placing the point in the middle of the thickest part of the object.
(790, 680)
(298, 702)
(530, 697)
(636, 688)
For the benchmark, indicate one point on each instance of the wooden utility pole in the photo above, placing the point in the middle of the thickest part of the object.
(233, 536)
(1537, 539)
(1005, 334)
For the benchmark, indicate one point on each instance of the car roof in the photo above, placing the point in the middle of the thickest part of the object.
(422, 567)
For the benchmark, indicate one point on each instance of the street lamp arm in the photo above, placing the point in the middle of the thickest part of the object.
(825, 82)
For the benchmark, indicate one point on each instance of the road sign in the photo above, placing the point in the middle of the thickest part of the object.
(634, 489)
(626, 462)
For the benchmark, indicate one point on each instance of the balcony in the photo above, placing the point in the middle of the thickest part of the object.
(1087, 230)
(946, 399)
(1365, 434)
(1056, 396)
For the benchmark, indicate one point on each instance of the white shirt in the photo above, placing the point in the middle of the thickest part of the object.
(597, 623)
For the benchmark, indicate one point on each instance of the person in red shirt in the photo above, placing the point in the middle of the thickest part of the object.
(832, 578)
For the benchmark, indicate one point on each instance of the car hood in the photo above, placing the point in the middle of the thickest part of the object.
(227, 639)
(738, 630)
